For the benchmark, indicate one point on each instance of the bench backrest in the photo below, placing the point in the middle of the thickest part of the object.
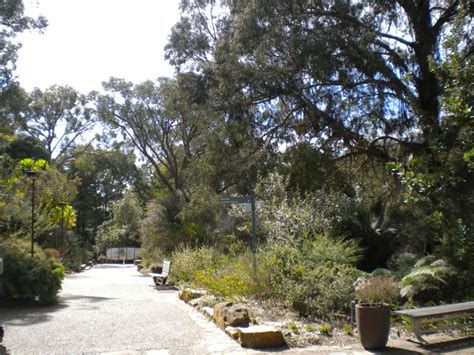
(166, 268)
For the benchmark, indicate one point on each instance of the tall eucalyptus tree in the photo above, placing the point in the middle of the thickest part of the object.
(355, 75)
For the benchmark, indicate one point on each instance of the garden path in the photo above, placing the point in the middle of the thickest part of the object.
(113, 309)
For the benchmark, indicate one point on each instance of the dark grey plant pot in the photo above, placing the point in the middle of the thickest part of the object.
(373, 325)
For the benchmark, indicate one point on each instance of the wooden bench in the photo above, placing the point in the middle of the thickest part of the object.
(435, 314)
(160, 279)
(87, 266)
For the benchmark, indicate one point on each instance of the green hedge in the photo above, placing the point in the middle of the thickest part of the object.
(29, 279)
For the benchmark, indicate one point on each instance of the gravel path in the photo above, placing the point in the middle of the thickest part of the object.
(112, 308)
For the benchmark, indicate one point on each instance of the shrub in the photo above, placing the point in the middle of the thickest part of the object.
(24, 245)
(329, 290)
(317, 273)
(378, 289)
(151, 256)
(73, 256)
(187, 261)
(30, 279)
(228, 276)
(52, 253)
(221, 283)
(101, 259)
(316, 276)
(232, 278)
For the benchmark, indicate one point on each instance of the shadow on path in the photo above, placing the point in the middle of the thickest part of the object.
(439, 346)
(456, 345)
(3, 350)
(394, 350)
(28, 315)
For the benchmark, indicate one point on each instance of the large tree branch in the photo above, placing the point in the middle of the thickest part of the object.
(446, 16)
(351, 139)
(354, 21)
(142, 147)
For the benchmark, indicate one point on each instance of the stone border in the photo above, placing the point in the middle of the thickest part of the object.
(233, 318)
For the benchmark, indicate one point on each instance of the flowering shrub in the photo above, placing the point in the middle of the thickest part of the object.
(378, 289)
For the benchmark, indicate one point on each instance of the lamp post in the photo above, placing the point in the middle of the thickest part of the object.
(62, 205)
(32, 175)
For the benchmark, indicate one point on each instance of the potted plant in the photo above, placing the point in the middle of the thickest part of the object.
(374, 295)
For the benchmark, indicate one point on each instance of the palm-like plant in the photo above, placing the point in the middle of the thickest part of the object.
(427, 274)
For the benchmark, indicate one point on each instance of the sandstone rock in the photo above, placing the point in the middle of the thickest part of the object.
(195, 303)
(208, 311)
(260, 336)
(238, 316)
(187, 295)
(231, 314)
(233, 332)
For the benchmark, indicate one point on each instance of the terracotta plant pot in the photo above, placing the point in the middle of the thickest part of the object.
(373, 325)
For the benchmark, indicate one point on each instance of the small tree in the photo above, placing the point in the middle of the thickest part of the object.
(123, 228)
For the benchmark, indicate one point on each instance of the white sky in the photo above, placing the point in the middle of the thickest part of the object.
(88, 41)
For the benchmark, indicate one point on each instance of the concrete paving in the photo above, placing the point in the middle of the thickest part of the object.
(112, 308)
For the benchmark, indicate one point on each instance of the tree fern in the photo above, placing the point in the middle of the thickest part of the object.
(427, 273)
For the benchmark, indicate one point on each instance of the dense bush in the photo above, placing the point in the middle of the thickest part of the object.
(187, 261)
(151, 256)
(228, 275)
(283, 216)
(23, 245)
(232, 278)
(316, 276)
(30, 279)
(73, 256)
(52, 253)
(123, 229)
(300, 263)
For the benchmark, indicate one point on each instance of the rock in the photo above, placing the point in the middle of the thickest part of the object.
(219, 313)
(230, 313)
(233, 332)
(195, 303)
(188, 294)
(260, 336)
(208, 311)
(238, 316)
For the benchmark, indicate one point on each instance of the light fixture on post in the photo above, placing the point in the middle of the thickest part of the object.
(32, 175)
(62, 205)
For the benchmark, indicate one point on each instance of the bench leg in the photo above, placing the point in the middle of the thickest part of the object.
(159, 281)
(417, 331)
